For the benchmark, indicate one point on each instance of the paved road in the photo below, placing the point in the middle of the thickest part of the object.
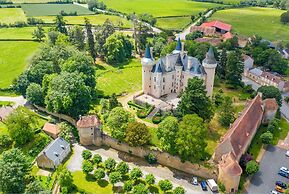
(18, 100)
(159, 172)
(264, 180)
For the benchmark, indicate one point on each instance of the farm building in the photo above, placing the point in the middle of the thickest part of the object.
(54, 154)
(87, 127)
(51, 129)
(220, 27)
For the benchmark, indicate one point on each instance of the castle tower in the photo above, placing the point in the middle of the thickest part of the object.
(178, 47)
(210, 64)
(147, 64)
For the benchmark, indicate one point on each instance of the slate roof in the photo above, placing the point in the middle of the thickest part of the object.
(148, 53)
(56, 148)
(88, 121)
(210, 57)
(179, 45)
(256, 71)
(218, 24)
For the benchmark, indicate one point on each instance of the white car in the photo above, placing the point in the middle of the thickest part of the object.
(274, 192)
(195, 181)
(284, 169)
(287, 153)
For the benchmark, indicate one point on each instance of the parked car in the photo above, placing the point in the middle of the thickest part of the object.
(281, 184)
(284, 169)
(287, 153)
(212, 184)
(274, 192)
(284, 174)
(279, 189)
(195, 181)
(204, 186)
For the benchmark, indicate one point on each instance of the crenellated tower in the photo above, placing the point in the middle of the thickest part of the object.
(147, 64)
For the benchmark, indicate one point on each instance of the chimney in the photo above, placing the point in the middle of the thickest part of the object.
(151, 50)
(190, 63)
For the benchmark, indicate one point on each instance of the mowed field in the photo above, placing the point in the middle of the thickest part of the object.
(32, 10)
(94, 19)
(14, 57)
(126, 78)
(173, 23)
(160, 7)
(18, 33)
(250, 21)
(11, 15)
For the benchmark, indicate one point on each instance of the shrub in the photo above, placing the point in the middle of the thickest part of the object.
(151, 158)
(150, 179)
(165, 185)
(96, 159)
(266, 137)
(109, 164)
(179, 190)
(86, 154)
(135, 174)
(141, 113)
(128, 185)
(99, 174)
(5, 141)
(87, 166)
(122, 168)
(252, 167)
(156, 119)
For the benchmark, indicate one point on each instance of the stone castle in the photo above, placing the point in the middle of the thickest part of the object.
(170, 74)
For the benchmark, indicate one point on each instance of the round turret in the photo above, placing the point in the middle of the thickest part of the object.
(210, 64)
(147, 60)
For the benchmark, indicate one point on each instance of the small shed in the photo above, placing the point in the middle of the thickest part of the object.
(51, 129)
(54, 154)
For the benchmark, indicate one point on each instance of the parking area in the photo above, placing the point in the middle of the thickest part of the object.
(264, 181)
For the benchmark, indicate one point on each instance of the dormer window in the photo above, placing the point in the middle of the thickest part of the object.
(56, 154)
(62, 146)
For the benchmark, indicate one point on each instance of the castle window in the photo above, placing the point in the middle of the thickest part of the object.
(172, 84)
(163, 87)
(155, 79)
(163, 79)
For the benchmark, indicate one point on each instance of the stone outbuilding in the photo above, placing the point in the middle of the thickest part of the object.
(51, 129)
(54, 154)
(88, 127)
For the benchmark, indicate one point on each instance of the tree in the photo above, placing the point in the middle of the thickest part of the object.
(97, 159)
(52, 37)
(266, 137)
(5, 141)
(90, 38)
(117, 48)
(122, 168)
(148, 18)
(34, 94)
(109, 164)
(39, 33)
(234, 69)
(102, 33)
(21, 83)
(284, 18)
(167, 132)
(194, 35)
(135, 174)
(274, 125)
(76, 37)
(167, 49)
(128, 185)
(252, 167)
(87, 166)
(165, 185)
(114, 178)
(20, 125)
(113, 102)
(150, 179)
(64, 177)
(226, 116)
(68, 94)
(60, 24)
(179, 190)
(286, 191)
(195, 100)
(99, 174)
(14, 167)
(221, 67)
(158, 43)
(137, 134)
(86, 154)
(35, 187)
(191, 143)
(140, 189)
(271, 92)
(117, 121)
(38, 69)
(93, 4)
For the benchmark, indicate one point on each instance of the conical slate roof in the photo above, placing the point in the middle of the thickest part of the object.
(148, 53)
(210, 57)
(179, 45)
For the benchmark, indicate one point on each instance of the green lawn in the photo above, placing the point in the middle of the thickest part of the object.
(3, 129)
(11, 15)
(13, 59)
(53, 9)
(173, 23)
(86, 184)
(125, 78)
(17, 33)
(32, 1)
(254, 20)
(94, 19)
(160, 7)
(6, 103)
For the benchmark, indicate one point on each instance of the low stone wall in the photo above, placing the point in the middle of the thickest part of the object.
(163, 158)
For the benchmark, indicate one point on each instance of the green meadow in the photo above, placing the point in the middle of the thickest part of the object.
(14, 58)
(11, 15)
(17, 33)
(94, 19)
(173, 23)
(32, 10)
(160, 7)
(254, 20)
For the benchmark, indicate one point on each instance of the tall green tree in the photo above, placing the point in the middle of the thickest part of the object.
(137, 134)
(114, 178)
(195, 100)
(64, 177)
(226, 115)
(14, 167)
(76, 37)
(34, 94)
(39, 33)
(102, 33)
(90, 38)
(271, 92)
(191, 143)
(234, 69)
(60, 24)
(35, 187)
(167, 133)
(221, 68)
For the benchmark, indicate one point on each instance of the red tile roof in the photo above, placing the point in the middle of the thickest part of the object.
(229, 165)
(51, 129)
(227, 36)
(218, 24)
(212, 41)
(88, 121)
(274, 78)
(207, 31)
(270, 104)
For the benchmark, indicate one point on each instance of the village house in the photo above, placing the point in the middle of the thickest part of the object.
(238, 138)
(88, 127)
(248, 62)
(265, 78)
(51, 129)
(54, 154)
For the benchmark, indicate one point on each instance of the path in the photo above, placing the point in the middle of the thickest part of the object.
(186, 31)
(17, 100)
(124, 100)
(160, 172)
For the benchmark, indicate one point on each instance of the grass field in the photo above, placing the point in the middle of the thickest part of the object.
(17, 33)
(32, 1)
(126, 78)
(173, 23)
(53, 9)
(249, 21)
(13, 59)
(11, 15)
(94, 19)
(160, 7)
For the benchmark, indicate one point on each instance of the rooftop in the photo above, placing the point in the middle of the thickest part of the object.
(51, 128)
(56, 149)
(88, 121)
(218, 24)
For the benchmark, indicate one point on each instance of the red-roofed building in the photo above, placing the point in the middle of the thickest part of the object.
(219, 26)
(87, 127)
(227, 36)
(51, 129)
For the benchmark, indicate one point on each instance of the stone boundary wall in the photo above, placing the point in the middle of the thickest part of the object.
(163, 158)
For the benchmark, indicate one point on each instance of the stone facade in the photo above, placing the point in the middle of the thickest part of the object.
(88, 128)
(170, 74)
